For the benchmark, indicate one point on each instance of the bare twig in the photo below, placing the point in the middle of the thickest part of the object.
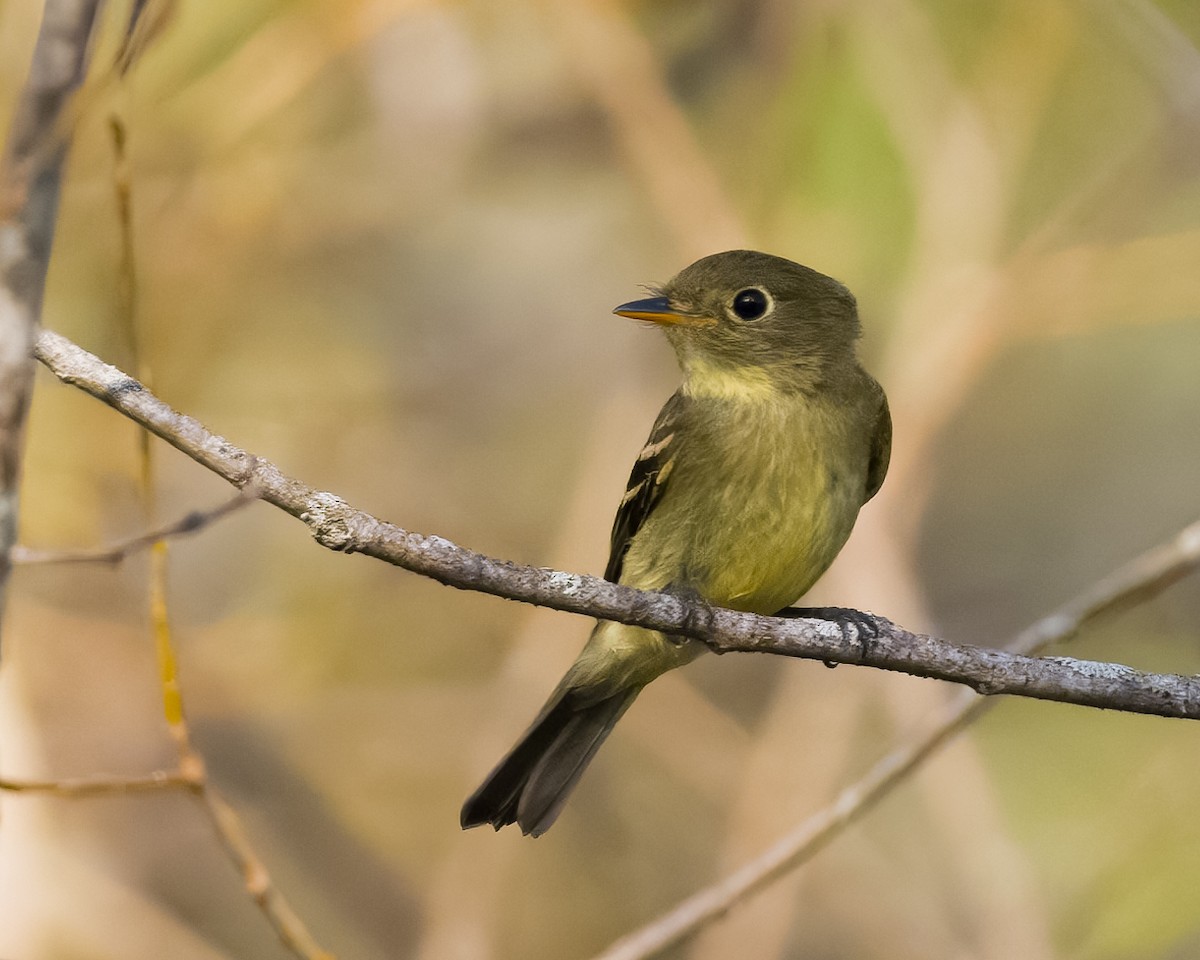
(30, 175)
(189, 523)
(101, 786)
(337, 525)
(1133, 583)
(288, 926)
(191, 777)
(147, 20)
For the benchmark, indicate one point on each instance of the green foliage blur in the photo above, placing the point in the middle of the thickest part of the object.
(378, 242)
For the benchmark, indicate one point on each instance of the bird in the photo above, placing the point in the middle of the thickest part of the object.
(742, 496)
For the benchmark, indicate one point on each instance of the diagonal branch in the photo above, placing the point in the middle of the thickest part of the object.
(192, 522)
(877, 642)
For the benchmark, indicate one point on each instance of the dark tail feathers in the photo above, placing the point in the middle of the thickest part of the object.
(531, 784)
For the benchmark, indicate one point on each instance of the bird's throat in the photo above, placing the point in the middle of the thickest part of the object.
(703, 379)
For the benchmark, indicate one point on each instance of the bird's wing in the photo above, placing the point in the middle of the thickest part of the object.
(881, 449)
(647, 482)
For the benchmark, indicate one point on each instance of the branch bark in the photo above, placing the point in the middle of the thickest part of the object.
(877, 642)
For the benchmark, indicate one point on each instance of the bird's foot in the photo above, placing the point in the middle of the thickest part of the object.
(699, 612)
(865, 627)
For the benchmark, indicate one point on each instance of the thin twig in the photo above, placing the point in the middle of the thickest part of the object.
(101, 786)
(189, 523)
(147, 21)
(1134, 583)
(290, 929)
(339, 526)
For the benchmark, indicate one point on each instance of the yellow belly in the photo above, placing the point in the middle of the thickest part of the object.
(756, 522)
(752, 516)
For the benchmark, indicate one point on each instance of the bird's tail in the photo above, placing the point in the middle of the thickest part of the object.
(531, 784)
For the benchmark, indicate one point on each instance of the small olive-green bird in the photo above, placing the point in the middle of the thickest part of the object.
(748, 487)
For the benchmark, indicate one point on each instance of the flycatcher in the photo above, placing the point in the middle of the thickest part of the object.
(748, 487)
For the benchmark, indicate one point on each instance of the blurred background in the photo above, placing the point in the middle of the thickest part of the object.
(378, 242)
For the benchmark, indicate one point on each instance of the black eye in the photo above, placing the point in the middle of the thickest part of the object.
(750, 304)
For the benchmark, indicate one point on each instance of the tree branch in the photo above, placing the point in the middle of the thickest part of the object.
(337, 525)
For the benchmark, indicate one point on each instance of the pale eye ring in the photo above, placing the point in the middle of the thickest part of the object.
(753, 303)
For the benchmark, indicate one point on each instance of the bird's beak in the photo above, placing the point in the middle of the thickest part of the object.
(659, 310)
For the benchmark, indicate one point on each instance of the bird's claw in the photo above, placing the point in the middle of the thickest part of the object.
(865, 627)
(698, 609)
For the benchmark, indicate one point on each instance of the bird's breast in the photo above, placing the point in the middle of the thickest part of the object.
(757, 510)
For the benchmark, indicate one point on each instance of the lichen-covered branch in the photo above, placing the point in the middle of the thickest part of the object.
(878, 643)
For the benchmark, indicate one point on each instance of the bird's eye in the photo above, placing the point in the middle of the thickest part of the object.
(750, 304)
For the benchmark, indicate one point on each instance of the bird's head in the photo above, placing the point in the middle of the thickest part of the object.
(740, 320)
